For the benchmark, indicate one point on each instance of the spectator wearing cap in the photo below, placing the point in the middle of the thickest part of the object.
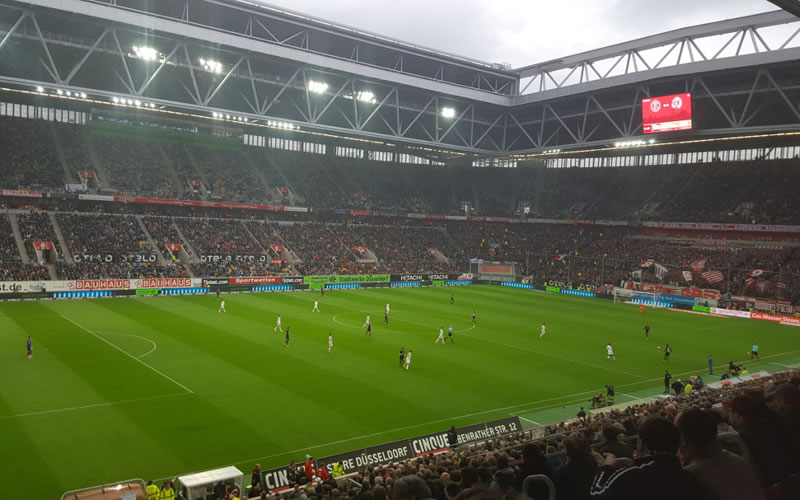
(721, 474)
(655, 475)
(765, 435)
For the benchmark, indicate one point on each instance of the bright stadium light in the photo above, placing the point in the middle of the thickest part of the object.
(83, 95)
(115, 100)
(366, 96)
(211, 65)
(137, 103)
(317, 87)
(448, 112)
(59, 92)
(145, 53)
(39, 89)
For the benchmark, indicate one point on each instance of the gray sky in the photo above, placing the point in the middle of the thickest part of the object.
(521, 32)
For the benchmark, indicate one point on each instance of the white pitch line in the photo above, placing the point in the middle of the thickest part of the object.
(556, 357)
(627, 395)
(155, 346)
(432, 332)
(98, 405)
(529, 420)
(128, 354)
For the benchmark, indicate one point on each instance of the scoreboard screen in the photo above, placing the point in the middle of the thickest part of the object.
(666, 113)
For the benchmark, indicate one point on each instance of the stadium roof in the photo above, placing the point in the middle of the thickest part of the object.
(215, 59)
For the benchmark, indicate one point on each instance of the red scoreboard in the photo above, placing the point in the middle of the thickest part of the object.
(669, 112)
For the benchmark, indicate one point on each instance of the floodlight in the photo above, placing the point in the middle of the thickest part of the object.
(448, 112)
(146, 53)
(211, 66)
(227, 117)
(83, 95)
(69, 93)
(317, 87)
(59, 92)
(137, 102)
(115, 99)
(152, 105)
(130, 102)
(366, 96)
(39, 89)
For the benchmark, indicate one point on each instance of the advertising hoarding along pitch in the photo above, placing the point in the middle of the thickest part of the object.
(666, 113)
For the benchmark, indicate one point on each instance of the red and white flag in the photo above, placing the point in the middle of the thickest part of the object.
(755, 273)
(713, 276)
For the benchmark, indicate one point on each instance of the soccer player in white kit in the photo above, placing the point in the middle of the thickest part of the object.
(367, 321)
(330, 342)
(316, 306)
(278, 325)
(610, 352)
(543, 331)
(408, 359)
(222, 307)
(441, 336)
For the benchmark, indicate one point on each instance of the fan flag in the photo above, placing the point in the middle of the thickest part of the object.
(713, 276)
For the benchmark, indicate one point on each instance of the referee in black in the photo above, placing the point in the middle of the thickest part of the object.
(667, 378)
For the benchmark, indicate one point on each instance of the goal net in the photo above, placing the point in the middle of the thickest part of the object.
(651, 299)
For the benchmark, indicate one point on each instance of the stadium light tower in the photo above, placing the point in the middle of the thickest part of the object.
(448, 112)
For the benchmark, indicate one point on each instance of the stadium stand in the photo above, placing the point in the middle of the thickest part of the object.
(703, 192)
(574, 454)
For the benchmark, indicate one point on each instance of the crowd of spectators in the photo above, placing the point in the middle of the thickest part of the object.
(722, 444)
(36, 226)
(28, 156)
(239, 243)
(135, 168)
(702, 192)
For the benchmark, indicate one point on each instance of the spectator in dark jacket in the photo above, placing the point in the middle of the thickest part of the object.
(503, 476)
(765, 435)
(613, 445)
(534, 462)
(655, 475)
(721, 474)
(575, 478)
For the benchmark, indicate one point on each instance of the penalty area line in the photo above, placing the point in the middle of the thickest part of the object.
(123, 351)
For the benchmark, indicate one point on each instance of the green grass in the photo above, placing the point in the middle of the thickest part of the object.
(157, 387)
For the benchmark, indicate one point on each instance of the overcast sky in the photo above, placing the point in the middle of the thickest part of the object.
(521, 32)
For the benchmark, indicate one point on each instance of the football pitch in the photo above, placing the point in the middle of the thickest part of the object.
(161, 386)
